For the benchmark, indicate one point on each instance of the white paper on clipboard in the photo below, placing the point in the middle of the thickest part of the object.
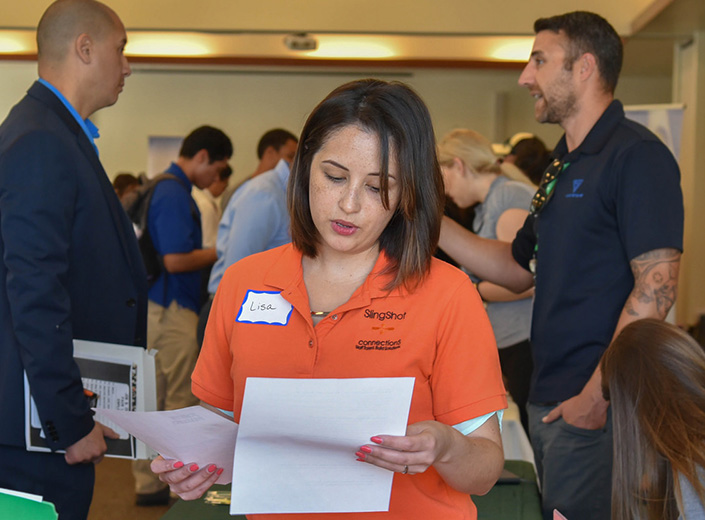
(124, 378)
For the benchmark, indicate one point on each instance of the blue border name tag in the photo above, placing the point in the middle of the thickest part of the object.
(265, 307)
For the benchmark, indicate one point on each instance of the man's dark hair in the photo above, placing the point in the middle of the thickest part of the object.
(275, 138)
(588, 32)
(532, 157)
(122, 181)
(225, 173)
(213, 140)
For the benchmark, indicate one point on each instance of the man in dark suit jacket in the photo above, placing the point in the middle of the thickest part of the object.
(69, 262)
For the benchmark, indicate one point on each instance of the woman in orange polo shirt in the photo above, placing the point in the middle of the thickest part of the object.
(366, 298)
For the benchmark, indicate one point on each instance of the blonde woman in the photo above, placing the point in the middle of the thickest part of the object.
(474, 176)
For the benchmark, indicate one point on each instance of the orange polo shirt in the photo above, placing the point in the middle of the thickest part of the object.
(439, 334)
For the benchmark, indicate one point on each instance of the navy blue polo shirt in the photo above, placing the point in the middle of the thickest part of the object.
(174, 224)
(619, 197)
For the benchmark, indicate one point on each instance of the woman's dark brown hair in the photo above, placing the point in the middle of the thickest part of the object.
(654, 376)
(398, 117)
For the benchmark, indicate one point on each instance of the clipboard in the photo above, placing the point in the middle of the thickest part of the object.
(118, 377)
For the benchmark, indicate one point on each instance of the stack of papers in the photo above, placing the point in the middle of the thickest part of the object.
(296, 442)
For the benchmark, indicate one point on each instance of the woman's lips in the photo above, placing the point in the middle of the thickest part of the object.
(343, 228)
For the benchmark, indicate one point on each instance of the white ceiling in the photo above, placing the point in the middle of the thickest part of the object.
(438, 29)
(385, 16)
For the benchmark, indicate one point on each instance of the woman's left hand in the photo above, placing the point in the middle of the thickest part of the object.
(424, 444)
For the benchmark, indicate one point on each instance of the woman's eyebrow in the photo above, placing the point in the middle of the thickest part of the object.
(338, 165)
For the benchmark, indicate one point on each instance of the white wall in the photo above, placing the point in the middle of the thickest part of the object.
(245, 104)
(689, 89)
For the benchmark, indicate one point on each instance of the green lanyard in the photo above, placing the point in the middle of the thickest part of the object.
(542, 196)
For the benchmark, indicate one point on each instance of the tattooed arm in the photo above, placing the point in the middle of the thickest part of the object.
(655, 288)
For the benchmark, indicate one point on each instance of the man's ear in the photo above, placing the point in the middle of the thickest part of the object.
(270, 153)
(202, 156)
(587, 66)
(84, 48)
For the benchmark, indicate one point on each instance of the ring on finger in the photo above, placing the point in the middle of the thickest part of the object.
(405, 470)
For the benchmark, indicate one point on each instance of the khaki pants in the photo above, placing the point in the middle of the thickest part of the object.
(171, 331)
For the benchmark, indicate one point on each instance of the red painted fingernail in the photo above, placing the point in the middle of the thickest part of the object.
(366, 449)
(194, 467)
(377, 440)
(360, 455)
(211, 468)
(360, 460)
(220, 471)
(178, 465)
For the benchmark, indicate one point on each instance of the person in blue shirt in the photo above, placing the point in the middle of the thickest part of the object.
(70, 267)
(255, 220)
(274, 145)
(175, 297)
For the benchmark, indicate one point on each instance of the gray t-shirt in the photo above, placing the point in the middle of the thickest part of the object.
(693, 508)
(511, 321)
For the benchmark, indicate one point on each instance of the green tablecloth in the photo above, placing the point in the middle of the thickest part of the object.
(512, 501)
(504, 502)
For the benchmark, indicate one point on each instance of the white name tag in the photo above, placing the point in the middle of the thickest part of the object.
(265, 307)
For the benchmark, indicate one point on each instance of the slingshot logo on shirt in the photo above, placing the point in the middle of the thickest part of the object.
(265, 307)
(577, 183)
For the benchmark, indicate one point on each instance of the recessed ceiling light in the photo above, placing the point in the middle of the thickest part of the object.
(10, 44)
(351, 48)
(513, 50)
(166, 45)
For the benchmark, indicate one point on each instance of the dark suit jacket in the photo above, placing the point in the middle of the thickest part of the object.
(69, 267)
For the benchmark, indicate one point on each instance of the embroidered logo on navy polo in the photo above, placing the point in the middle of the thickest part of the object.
(577, 183)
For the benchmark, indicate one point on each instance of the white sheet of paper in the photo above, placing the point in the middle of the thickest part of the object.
(297, 440)
(28, 496)
(192, 434)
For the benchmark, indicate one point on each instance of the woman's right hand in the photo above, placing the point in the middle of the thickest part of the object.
(186, 480)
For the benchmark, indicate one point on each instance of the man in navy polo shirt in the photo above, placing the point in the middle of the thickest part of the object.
(602, 244)
(175, 297)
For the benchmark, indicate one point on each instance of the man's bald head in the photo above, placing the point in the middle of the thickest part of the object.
(65, 20)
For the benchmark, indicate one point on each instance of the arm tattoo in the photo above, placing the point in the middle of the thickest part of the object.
(655, 282)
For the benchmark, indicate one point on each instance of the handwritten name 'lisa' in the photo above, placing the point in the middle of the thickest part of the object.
(261, 306)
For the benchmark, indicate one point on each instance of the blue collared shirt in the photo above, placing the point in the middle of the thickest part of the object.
(255, 220)
(87, 125)
(174, 224)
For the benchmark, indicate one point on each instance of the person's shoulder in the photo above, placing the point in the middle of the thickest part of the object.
(31, 120)
(632, 139)
(262, 189)
(443, 274)
(37, 146)
(267, 182)
(629, 133)
(517, 188)
(269, 257)
(170, 187)
(253, 267)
